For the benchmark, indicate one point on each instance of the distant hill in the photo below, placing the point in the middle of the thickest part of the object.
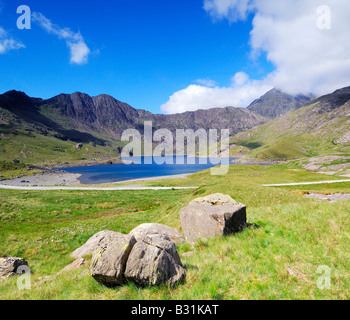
(276, 103)
(34, 129)
(321, 127)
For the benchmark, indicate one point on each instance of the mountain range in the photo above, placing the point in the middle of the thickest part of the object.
(44, 130)
(107, 116)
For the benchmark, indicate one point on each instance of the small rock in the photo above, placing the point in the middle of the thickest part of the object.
(74, 265)
(9, 266)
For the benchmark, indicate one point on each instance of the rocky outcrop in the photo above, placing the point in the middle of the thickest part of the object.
(215, 215)
(109, 261)
(344, 139)
(155, 261)
(9, 266)
(147, 229)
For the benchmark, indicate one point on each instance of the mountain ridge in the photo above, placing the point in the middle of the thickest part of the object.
(67, 119)
(319, 128)
(276, 103)
(107, 112)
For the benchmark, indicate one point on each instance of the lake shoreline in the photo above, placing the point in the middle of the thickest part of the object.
(45, 178)
(71, 179)
(57, 176)
(174, 176)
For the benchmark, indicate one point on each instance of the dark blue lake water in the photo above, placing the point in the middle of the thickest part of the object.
(123, 172)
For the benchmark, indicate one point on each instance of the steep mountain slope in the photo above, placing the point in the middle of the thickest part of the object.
(235, 119)
(320, 128)
(276, 103)
(27, 134)
(31, 127)
(105, 114)
(102, 114)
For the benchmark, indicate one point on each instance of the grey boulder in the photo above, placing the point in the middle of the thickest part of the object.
(95, 242)
(154, 261)
(79, 146)
(109, 260)
(9, 266)
(148, 229)
(214, 215)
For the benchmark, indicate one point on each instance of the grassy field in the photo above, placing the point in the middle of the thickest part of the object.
(279, 260)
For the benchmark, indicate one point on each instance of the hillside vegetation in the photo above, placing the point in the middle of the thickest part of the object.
(317, 129)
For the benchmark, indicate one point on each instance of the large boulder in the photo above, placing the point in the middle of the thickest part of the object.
(79, 146)
(109, 261)
(148, 229)
(214, 215)
(9, 266)
(154, 261)
(95, 242)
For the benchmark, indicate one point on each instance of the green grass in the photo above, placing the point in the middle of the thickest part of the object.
(279, 260)
(341, 187)
(38, 149)
(302, 133)
(11, 169)
(337, 162)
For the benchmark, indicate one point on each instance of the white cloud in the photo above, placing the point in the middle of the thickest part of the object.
(79, 51)
(232, 9)
(240, 79)
(7, 43)
(194, 97)
(306, 58)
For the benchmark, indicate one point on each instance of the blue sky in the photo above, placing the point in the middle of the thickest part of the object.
(176, 55)
(142, 51)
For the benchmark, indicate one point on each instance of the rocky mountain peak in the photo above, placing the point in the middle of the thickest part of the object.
(276, 103)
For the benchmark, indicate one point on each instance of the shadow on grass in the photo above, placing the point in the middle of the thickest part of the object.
(251, 226)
